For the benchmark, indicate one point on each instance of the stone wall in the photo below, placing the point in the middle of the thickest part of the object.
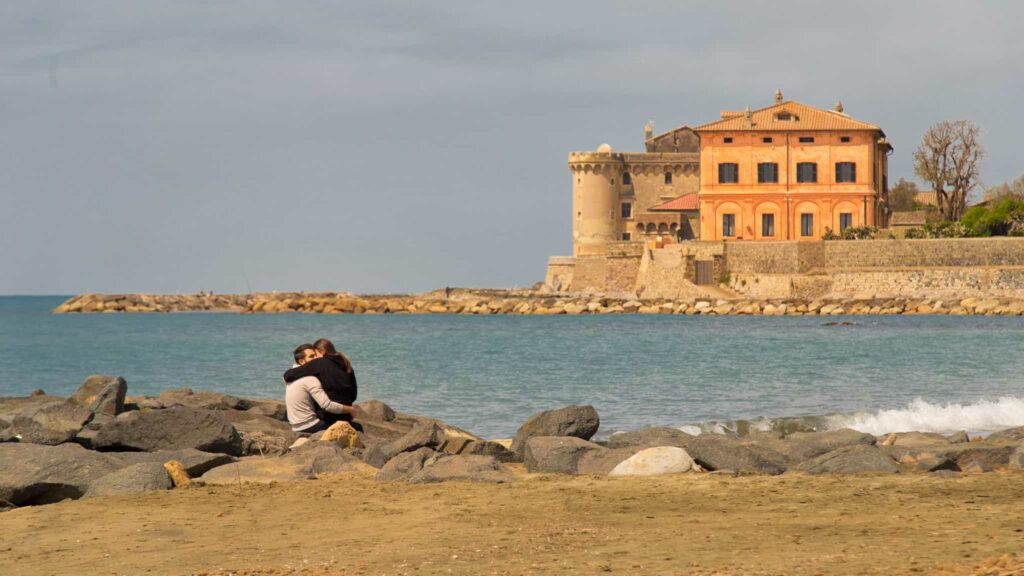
(560, 272)
(955, 252)
(951, 283)
(783, 257)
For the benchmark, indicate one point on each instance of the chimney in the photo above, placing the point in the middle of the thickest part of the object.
(839, 106)
(778, 95)
(648, 130)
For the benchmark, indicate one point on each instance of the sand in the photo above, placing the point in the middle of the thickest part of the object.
(541, 524)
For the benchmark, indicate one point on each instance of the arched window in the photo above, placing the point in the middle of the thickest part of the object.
(662, 228)
(650, 228)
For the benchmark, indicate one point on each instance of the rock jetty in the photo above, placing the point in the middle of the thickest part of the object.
(535, 302)
(102, 442)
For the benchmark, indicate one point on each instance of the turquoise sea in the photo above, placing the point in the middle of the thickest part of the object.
(488, 373)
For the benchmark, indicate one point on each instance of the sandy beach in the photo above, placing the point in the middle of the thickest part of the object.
(540, 524)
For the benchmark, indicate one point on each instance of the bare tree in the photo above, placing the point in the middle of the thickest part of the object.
(949, 159)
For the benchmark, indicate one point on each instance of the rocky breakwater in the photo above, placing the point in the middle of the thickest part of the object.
(520, 302)
(102, 442)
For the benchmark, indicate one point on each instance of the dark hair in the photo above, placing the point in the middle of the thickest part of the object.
(325, 347)
(300, 352)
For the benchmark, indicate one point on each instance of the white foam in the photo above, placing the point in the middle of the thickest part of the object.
(984, 416)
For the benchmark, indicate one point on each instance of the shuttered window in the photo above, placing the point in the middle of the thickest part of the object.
(807, 225)
(767, 173)
(728, 224)
(845, 220)
(807, 172)
(728, 173)
(767, 225)
(846, 172)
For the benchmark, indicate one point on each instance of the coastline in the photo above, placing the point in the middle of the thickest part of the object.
(531, 302)
(146, 476)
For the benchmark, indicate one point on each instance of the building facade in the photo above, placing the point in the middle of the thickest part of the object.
(790, 172)
(632, 196)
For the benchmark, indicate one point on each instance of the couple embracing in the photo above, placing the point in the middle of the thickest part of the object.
(320, 388)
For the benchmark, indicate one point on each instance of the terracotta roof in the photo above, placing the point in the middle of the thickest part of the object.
(685, 202)
(804, 117)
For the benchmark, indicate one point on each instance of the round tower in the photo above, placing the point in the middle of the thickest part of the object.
(596, 177)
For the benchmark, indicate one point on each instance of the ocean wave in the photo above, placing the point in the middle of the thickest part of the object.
(981, 417)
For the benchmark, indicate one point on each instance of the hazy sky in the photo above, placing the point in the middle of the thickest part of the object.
(391, 147)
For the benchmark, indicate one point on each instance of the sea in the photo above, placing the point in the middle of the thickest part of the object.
(487, 374)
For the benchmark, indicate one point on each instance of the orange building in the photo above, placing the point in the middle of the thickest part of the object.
(790, 172)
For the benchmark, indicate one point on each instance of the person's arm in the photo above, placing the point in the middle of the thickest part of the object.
(311, 368)
(320, 397)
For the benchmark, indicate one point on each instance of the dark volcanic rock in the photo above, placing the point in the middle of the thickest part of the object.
(196, 462)
(51, 424)
(856, 459)
(306, 462)
(717, 452)
(141, 477)
(488, 448)
(560, 454)
(426, 466)
(601, 462)
(405, 465)
(375, 410)
(575, 421)
(91, 388)
(110, 399)
(986, 455)
(39, 474)
(649, 438)
(206, 430)
(801, 446)
(1008, 435)
(444, 467)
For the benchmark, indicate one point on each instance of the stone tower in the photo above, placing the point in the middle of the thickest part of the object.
(596, 178)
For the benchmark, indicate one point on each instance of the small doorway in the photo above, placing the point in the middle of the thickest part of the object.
(705, 272)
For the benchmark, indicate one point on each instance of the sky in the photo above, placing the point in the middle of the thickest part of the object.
(405, 146)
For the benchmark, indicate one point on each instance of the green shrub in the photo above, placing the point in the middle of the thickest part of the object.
(938, 230)
(851, 233)
(997, 219)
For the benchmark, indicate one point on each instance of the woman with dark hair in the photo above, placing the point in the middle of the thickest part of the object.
(336, 376)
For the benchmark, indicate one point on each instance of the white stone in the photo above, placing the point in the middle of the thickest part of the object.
(655, 462)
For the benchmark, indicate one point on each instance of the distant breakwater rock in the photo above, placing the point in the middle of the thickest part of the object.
(486, 302)
(103, 442)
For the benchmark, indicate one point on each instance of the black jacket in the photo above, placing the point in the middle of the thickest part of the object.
(339, 384)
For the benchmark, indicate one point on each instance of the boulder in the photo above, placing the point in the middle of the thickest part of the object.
(655, 462)
(488, 448)
(992, 456)
(91, 388)
(51, 424)
(1016, 461)
(960, 437)
(917, 439)
(404, 465)
(110, 399)
(801, 446)
(141, 477)
(559, 454)
(195, 462)
(649, 438)
(602, 462)
(718, 452)
(307, 462)
(1008, 435)
(270, 408)
(445, 467)
(426, 433)
(261, 434)
(375, 410)
(855, 459)
(38, 474)
(574, 421)
(173, 428)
